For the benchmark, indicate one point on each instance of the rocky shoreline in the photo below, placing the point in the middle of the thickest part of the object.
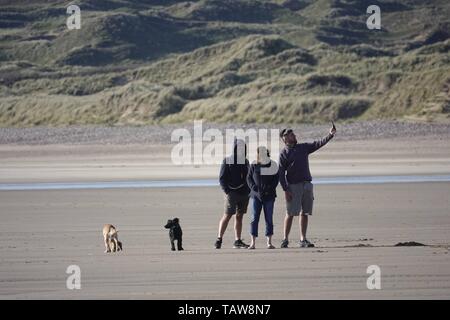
(161, 134)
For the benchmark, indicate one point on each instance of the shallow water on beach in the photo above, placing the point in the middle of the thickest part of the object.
(211, 183)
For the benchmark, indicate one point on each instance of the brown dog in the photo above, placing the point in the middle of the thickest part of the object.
(110, 236)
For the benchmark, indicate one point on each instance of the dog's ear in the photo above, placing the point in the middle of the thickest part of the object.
(176, 220)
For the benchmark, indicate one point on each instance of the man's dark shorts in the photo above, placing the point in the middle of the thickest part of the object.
(236, 202)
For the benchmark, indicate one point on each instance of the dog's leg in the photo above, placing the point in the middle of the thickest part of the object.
(179, 243)
(172, 244)
(112, 246)
(116, 245)
(107, 249)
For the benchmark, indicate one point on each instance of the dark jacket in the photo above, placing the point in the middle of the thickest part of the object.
(233, 172)
(261, 186)
(294, 162)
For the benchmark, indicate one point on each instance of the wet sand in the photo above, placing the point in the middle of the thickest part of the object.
(43, 232)
(80, 163)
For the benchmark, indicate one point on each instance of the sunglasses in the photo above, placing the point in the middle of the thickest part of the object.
(289, 131)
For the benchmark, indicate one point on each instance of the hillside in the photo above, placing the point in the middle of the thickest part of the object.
(251, 61)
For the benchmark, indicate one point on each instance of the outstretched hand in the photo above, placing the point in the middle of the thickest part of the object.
(333, 129)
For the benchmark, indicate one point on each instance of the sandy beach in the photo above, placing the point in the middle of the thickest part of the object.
(43, 232)
(353, 227)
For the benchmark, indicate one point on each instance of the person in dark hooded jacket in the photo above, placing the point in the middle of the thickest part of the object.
(233, 181)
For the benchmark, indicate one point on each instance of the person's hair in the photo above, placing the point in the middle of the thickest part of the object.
(262, 149)
(285, 132)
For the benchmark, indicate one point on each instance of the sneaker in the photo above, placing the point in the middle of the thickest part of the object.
(284, 243)
(306, 244)
(218, 243)
(240, 244)
(270, 246)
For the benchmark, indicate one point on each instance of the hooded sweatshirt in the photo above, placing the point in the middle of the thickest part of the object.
(234, 170)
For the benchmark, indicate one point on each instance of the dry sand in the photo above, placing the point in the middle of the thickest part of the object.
(354, 226)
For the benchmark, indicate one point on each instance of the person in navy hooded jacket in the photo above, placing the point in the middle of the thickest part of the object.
(262, 180)
(233, 181)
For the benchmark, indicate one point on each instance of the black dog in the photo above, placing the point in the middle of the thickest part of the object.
(175, 233)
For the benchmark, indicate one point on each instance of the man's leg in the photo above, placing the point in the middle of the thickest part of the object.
(307, 206)
(238, 225)
(238, 243)
(223, 224)
(303, 226)
(293, 208)
(242, 205)
(287, 226)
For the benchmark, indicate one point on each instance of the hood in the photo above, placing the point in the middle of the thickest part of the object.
(239, 151)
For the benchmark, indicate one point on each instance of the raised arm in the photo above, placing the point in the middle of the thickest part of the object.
(316, 145)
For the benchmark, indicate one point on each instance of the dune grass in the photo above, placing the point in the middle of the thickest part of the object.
(253, 61)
